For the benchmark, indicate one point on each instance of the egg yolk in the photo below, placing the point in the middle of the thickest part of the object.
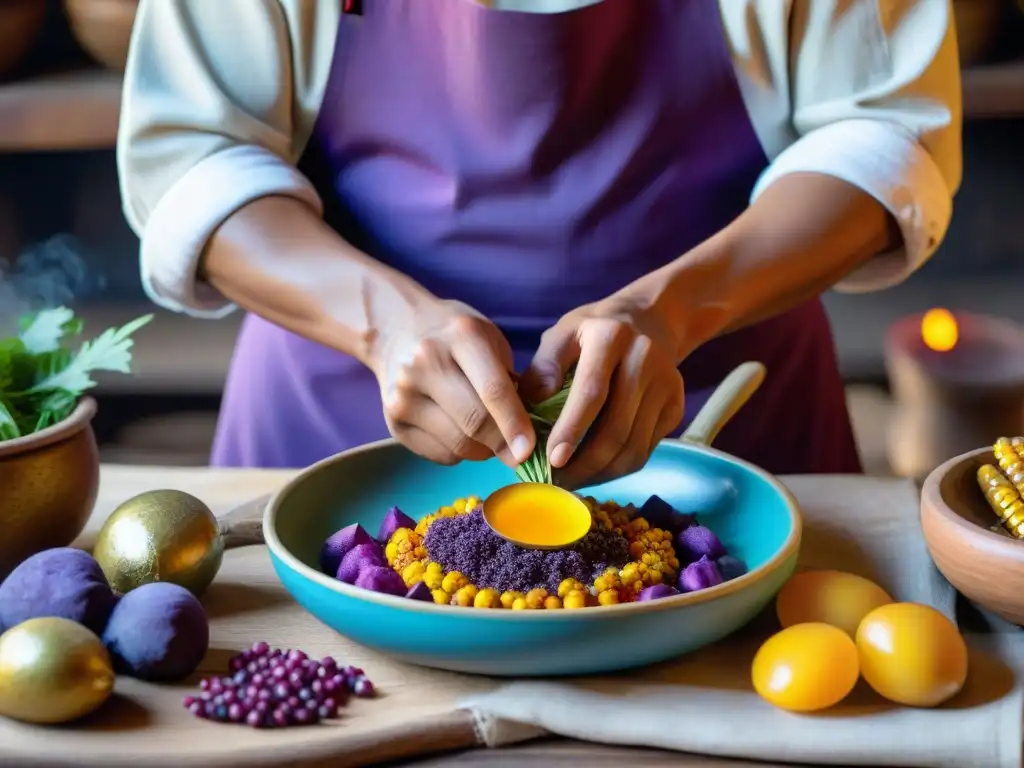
(830, 597)
(806, 667)
(537, 515)
(911, 654)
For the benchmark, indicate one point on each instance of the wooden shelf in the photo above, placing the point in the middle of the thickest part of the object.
(79, 110)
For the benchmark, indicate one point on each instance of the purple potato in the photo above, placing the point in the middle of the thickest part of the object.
(359, 557)
(700, 575)
(157, 632)
(380, 578)
(340, 544)
(656, 592)
(64, 583)
(420, 591)
(696, 542)
(660, 514)
(730, 567)
(393, 520)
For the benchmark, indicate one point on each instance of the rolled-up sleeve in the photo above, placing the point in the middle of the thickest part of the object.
(207, 126)
(874, 93)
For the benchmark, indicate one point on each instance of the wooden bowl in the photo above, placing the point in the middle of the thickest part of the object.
(985, 566)
(103, 28)
(20, 22)
(48, 486)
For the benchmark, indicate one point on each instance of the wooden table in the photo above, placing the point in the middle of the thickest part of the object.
(226, 490)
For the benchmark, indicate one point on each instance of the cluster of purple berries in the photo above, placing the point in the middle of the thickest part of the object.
(272, 688)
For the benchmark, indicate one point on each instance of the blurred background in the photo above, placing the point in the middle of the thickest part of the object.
(63, 239)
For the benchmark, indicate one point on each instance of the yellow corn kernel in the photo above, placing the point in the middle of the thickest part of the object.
(567, 586)
(487, 598)
(608, 597)
(574, 599)
(507, 598)
(459, 505)
(552, 602)
(440, 596)
(446, 512)
(519, 604)
(465, 596)
(453, 581)
(472, 502)
(391, 552)
(413, 573)
(433, 578)
(535, 598)
(424, 524)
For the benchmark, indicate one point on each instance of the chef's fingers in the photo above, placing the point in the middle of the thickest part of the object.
(670, 418)
(424, 414)
(602, 346)
(424, 444)
(495, 400)
(558, 350)
(629, 406)
(638, 447)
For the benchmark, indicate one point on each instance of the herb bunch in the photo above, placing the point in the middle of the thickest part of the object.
(537, 468)
(42, 379)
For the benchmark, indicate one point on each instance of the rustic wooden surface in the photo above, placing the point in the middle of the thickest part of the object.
(415, 717)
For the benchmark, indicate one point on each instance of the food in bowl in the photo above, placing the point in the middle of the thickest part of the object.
(452, 557)
(1002, 484)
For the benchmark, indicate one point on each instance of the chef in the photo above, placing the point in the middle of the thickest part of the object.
(413, 199)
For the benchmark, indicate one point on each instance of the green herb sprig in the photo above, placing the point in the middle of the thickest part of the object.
(537, 468)
(42, 379)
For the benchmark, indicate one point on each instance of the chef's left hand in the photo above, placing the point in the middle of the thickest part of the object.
(627, 393)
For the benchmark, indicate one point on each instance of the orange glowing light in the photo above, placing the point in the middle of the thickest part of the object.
(939, 330)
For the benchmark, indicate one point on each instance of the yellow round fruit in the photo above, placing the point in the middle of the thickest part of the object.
(830, 597)
(52, 671)
(806, 667)
(911, 654)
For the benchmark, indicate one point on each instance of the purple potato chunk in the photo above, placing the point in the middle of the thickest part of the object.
(420, 591)
(656, 592)
(730, 567)
(361, 556)
(340, 544)
(393, 520)
(380, 578)
(158, 632)
(700, 575)
(660, 514)
(696, 542)
(64, 583)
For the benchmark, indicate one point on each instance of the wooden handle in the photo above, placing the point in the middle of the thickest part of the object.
(731, 395)
(243, 526)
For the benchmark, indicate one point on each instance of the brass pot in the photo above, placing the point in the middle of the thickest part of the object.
(48, 486)
(20, 23)
(103, 28)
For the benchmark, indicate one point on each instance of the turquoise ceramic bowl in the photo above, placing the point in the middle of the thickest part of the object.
(755, 516)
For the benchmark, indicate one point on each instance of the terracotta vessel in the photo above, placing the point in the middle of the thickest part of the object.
(48, 486)
(20, 23)
(985, 566)
(103, 28)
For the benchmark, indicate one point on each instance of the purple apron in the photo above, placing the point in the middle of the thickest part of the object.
(527, 164)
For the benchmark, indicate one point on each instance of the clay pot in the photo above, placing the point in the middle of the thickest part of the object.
(977, 28)
(20, 23)
(103, 28)
(48, 486)
(985, 566)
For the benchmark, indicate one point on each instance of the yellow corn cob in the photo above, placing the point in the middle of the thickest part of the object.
(1003, 498)
(1005, 452)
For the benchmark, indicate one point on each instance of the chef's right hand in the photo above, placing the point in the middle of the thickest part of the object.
(447, 388)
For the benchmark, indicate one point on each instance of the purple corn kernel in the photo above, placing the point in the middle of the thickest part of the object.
(660, 514)
(655, 592)
(700, 575)
(393, 520)
(696, 542)
(730, 567)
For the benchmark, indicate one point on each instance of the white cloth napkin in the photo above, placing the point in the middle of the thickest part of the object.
(704, 703)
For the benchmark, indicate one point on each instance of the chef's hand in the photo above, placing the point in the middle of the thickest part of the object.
(627, 393)
(447, 390)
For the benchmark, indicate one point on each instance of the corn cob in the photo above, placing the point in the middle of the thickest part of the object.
(1004, 499)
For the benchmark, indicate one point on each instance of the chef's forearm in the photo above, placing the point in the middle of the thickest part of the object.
(276, 258)
(800, 237)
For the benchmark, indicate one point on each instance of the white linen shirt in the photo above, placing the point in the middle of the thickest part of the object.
(220, 99)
